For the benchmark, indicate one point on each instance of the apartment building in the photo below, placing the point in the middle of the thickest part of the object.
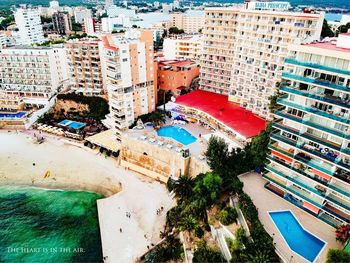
(130, 76)
(84, 63)
(32, 72)
(176, 75)
(309, 164)
(81, 13)
(191, 22)
(29, 26)
(62, 23)
(244, 51)
(183, 47)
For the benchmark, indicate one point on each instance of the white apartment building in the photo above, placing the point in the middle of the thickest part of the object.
(182, 47)
(244, 52)
(80, 13)
(114, 11)
(33, 73)
(84, 66)
(128, 70)
(191, 22)
(29, 26)
(114, 23)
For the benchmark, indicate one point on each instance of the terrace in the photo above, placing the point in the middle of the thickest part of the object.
(267, 201)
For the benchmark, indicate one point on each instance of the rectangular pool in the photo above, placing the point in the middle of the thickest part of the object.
(298, 239)
(72, 124)
(16, 115)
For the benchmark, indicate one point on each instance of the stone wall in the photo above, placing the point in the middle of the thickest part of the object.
(157, 162)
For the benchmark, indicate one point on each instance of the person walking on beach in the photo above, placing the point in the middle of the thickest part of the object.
(121, 230)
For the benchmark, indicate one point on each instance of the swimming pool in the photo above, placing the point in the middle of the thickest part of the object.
(177, 133)
(298, 239)
(72, 124)
(16, 115)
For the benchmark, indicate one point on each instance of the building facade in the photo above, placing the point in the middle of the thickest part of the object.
(32, 72)
(244, 50)
(189, 23)
(62, 23)
(84, 63)
(309, 164)
(176, 75)
(183, 47)
(29, 26)
(80, 13)
(130, 77)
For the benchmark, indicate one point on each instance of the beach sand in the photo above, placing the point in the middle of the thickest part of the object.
(79, 168)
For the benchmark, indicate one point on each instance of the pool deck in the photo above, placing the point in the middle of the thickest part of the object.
(266, 201)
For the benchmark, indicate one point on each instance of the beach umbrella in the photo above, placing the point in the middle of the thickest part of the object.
(179, 145)
(161, 139)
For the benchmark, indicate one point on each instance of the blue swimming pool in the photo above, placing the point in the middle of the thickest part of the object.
(177, 133)
(298, 239)
(16, 115)
(72, 124)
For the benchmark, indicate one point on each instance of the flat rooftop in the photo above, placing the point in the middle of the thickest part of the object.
(329, 46)
(231, 114)
(177, 63)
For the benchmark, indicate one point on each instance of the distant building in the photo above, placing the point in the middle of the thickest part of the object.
(190, 23)
(115, 23)
(167, 8)
(108, 3)
(80, 13)
(29, 26)
(62, 23)
(176, 75)
(309, 164)
(54, 4)
(183, 47)
(114, 11)
(129, 76)
(85, 70)
(89, 26)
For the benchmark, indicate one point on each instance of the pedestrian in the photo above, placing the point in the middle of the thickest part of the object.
(121, 230)
(162, 208)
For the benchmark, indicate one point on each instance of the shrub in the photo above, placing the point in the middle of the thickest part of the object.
(227, 216)
(343, 233)
(337, 256)
(204, 253)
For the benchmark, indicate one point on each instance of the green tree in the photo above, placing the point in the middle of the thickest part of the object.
(326, 30)
(217, 154)
(157, 117)
(207, 189)
(204, 253)
(76, 27)
(337, 256)
(183, 187)
(343, 28)
(175, 30)
(6, 22)
(227, 215)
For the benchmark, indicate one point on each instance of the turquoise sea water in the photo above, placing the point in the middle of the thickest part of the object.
(39, 225)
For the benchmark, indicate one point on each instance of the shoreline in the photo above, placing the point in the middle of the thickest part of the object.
(25, 163)
(75, 167)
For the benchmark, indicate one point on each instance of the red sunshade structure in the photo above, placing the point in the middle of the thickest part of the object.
(231, 114)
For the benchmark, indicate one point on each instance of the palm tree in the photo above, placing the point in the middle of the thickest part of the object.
(157, 118)
(183, 187)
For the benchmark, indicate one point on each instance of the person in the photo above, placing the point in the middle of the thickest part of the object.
(121, 230)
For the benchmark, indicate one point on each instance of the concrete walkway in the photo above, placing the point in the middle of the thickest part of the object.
(266, 201)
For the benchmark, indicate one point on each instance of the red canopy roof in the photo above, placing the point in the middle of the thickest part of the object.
(231, 114)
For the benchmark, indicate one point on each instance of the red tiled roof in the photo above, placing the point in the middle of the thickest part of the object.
(231, 114)
(107, 44)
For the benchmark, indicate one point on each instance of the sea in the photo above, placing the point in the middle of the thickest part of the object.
(41, 225)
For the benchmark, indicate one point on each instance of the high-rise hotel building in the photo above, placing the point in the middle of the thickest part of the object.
(84, 62)
(244, 51)
(309, 164)
(29, 26)
(129, 73)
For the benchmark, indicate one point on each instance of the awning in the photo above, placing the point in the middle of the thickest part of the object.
(320, 174)
(282, 156)
(311, 207)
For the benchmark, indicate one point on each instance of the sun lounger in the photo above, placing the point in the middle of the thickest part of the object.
(169, 146)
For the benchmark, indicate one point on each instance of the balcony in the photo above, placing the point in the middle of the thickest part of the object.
(315, 82)
(316, 66)
(314, 110)
(307, 160)
(344, 216)
(324, 98)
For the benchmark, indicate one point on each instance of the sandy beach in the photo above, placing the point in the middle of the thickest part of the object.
(23, 162)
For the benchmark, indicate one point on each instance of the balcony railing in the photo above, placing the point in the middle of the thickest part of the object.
(315, 82)
(313, 110)
(308, 94)
(316, 66)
